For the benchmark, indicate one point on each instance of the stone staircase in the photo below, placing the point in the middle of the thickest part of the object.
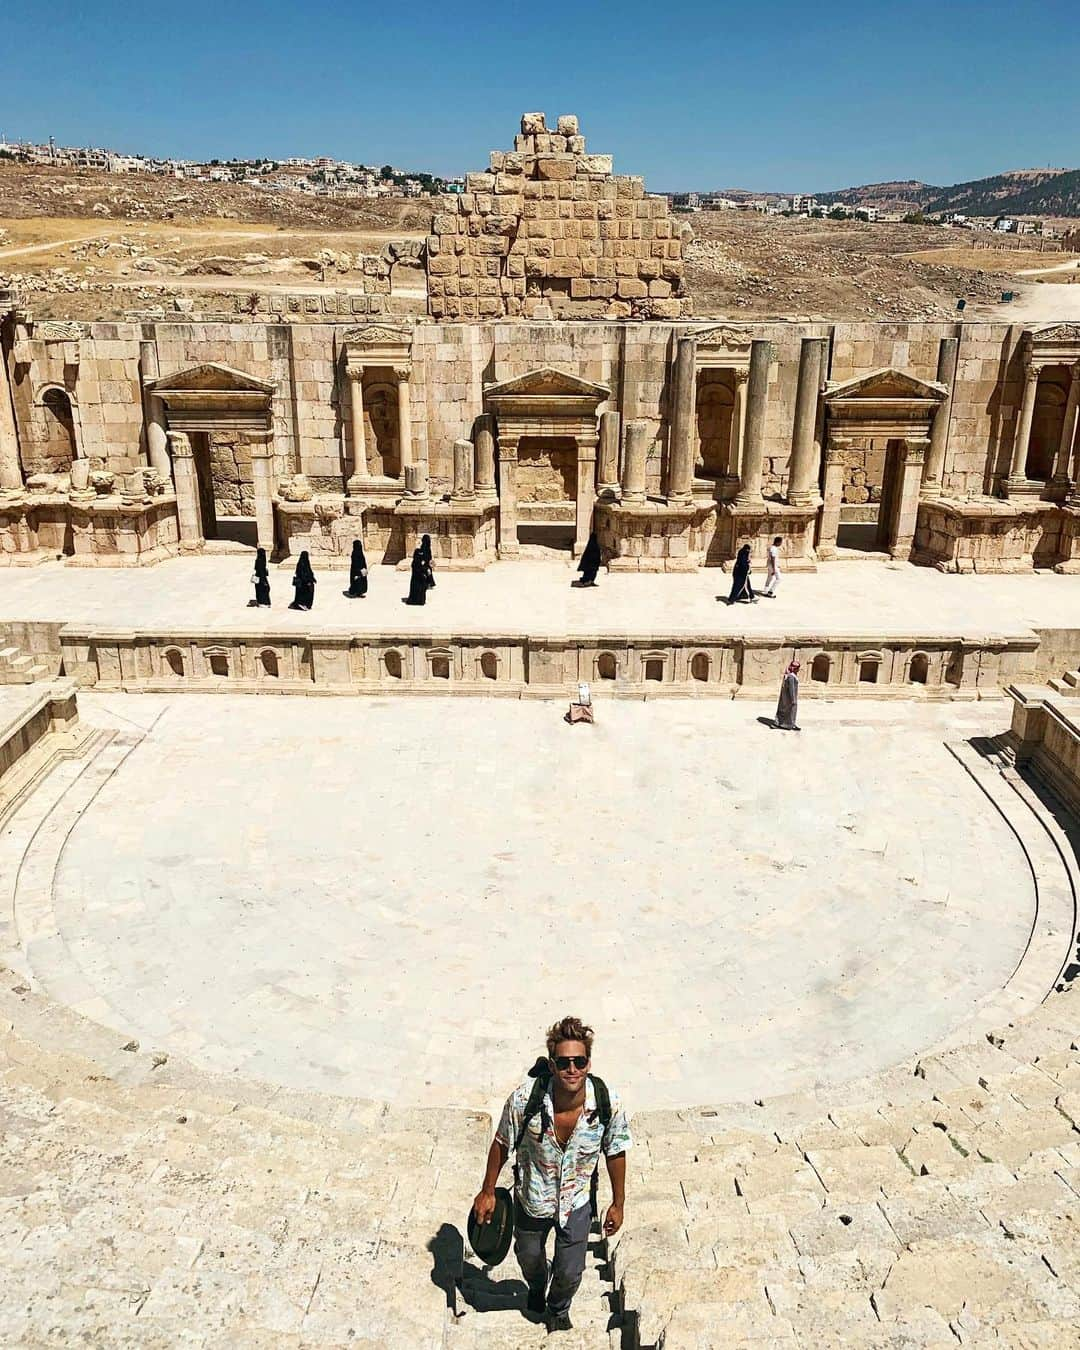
(943, 1209)
(18, 668)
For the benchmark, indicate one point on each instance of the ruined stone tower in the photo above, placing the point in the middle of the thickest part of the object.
(551, 232)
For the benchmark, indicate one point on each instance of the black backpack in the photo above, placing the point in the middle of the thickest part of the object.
(540, 1073)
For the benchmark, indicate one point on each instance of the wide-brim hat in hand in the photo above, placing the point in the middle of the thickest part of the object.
(491, 1241)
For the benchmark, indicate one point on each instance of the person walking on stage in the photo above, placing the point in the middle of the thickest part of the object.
(357, 572)
(261, 579)
(741, 590)
(590, 561)
(557, 1126)
(418, 580)
(772, 567)
(425, 549)
(303, 583)
(787, 709)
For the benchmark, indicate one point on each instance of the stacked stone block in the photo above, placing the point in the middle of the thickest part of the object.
(551, 232)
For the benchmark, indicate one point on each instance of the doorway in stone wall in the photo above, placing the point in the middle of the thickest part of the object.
(546, 492)
(226, 486)
(870, 498)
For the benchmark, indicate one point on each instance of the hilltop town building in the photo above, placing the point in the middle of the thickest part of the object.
(559, 385)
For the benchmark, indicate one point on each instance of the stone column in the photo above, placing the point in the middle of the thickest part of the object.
(463, 472)
(635, 447)
(360, 476)
(404, 416)
(737, 433)
(586, 491)
(607, 470)
(833, 499)
(681, 458)
(1063, 468)
(262, 477)
(416, 481)
(484, 434)
(757, 397)
(934, 472)
(508, 540)
(1017, 475)
(906, 506)
(802, 472)
(157, 450)
(188, 509)
(11, 479)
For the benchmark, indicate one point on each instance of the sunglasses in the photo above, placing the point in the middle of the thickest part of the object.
(563, 1062)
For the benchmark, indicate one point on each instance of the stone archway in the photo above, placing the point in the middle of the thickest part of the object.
(555, 415)
(877, 434)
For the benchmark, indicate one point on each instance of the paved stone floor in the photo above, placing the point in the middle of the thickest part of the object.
(536, 597)
(390, 898)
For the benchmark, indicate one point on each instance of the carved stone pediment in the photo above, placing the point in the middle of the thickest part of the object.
(377, 334)
(54, 330)
(885, 384)
(547, 382)
(214, 397)
(723, 337)
(210, 378)
(1059, 334)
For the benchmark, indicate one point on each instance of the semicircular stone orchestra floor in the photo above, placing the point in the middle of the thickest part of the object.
(392, 898)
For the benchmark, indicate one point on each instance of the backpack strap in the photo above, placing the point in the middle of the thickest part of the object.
(533, 1107)
(603, 1100)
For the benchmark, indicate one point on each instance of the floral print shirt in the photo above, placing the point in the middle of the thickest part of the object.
(553, 1181)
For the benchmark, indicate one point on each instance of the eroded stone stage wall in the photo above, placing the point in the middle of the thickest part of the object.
(103, 371)
(452, 362)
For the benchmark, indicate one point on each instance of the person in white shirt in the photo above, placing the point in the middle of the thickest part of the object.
(772, 567)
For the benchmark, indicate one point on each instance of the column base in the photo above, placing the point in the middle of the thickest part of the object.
(805, 501)
(750, 499)
(679, 499)
(1019, 485)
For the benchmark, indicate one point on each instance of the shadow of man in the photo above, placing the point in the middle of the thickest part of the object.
(467, 1285)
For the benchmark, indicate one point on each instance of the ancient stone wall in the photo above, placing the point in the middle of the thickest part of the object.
(98, 367)
(551, 231)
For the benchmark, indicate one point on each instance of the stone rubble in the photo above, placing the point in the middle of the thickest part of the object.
(551, 231)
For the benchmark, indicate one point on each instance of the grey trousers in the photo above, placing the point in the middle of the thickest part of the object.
(568, 1263)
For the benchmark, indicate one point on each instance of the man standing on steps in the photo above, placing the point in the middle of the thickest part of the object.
(558, 1125)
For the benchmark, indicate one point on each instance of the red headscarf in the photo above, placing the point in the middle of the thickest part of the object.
(792, 669)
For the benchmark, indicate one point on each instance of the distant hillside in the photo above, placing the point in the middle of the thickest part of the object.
(902, 196)
(1021, 192)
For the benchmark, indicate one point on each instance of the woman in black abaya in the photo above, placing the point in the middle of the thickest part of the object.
(357, 572)
(740, 578)
(261, 578)
(590, 561)
(425, 549)
(303, 583)
(418, 582)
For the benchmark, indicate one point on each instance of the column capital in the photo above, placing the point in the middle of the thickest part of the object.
(179, 444)
(354, 373)
(741, 374)
(402, 373)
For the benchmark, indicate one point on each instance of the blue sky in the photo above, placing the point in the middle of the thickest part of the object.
(787, 96)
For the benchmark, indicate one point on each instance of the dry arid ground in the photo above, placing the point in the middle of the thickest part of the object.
(772, 266)
(97, 246)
